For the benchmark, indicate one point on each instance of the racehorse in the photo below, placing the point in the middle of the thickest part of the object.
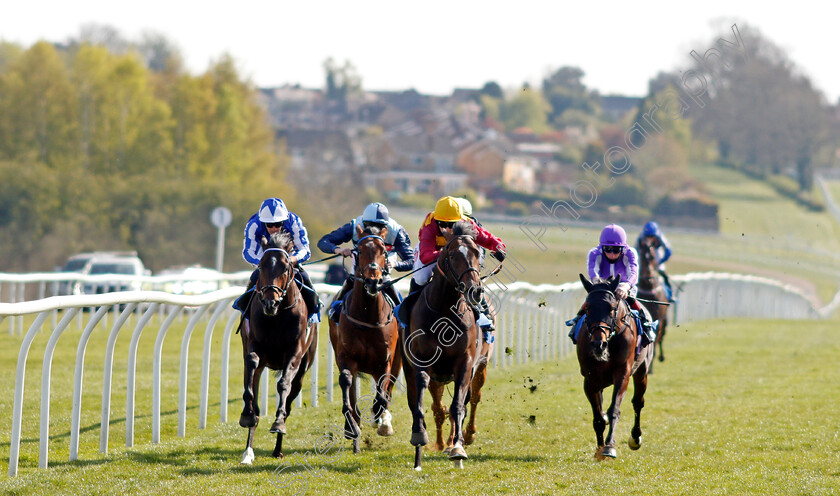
(436, 390)
(651, 288)
(276, 335)
(440, 343)
(366, 336)
(607, 353)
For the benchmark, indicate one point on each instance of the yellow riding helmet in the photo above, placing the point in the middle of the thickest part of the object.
(448, 210)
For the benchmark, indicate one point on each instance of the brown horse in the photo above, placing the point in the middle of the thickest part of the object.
(606, 351)
(436, 390)
(440, 344)
(652, 288)
(366, 336)
(275, 335)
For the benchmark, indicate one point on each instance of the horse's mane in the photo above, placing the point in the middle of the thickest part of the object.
(464, 228)
(372, 231)
(280, 240)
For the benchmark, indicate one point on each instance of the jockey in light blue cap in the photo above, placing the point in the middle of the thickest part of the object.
(396, 241)
(613, 257)
(273, 217)
(652, 236)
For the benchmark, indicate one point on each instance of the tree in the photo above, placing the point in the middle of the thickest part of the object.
(564, 90)
(528, 109)
(765, 115)
(493, 90)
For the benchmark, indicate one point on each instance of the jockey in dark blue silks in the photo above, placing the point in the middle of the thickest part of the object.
(274, 217)
(652, 235)
(614, 257)
(396, 241)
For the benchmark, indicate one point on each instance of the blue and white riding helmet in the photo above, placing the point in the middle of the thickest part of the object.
(376, 213)
(273, 210)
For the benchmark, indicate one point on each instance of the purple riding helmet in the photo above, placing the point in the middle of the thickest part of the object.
(613, 235)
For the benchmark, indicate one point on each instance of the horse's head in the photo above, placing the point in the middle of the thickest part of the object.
(276, 272)
(459, 262)
(602, 314)
(372, 257)
(647, 264)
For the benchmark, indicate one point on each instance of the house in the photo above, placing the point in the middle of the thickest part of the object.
(519, 173)
(397, 182)
(319, 153)
(483, 160)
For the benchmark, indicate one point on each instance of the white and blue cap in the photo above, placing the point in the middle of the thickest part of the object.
(273, 210)
(376, 212)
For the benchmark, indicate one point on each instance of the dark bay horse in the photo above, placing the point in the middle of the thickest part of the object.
(606, 351)
(366, 336)
(485, 351)
(440, 343)
(275, 335)
(651, 287)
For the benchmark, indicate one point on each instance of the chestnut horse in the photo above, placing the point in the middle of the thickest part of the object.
(440, 343)
(652, 288)
(366, 336)
(275, 335)
(606, 351)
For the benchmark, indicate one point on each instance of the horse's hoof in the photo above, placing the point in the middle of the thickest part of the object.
(385, 430)
(469, 437)
(247, 457)
(419, 438)
(458, 463)
(635, 443)
(277, 454)
(609, 452)
(248, 420)
(661, 358)
(278, 427)
(457, 453)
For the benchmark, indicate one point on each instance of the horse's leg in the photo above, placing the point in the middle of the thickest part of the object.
(599, 420)
(250, 415)
(663, 324)
(479, 377)
(639, 388)
(381, 415)
(614, 412)
(458, 410)
(436, 390)
(346, 380)
(284, 389)
(296, 387)
(419, 437)
(248, 455)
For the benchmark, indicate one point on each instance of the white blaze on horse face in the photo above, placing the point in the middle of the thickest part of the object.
(464, 251)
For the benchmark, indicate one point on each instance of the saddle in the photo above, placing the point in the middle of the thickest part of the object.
(337, 308)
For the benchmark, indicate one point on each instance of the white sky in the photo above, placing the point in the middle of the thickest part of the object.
(435, 45)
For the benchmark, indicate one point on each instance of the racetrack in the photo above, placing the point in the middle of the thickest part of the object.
(738, 407)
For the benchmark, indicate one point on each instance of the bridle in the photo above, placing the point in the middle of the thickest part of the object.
(281, 292)
(446, 271)
(371, 266)
(613, 316)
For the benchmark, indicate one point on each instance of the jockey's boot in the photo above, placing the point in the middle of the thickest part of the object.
(310, 297)
(404, 312)
(241, 303)
(648, 330)
(335, 308)
(484, 321)
(574, 324)
(668, 288)
(392, 293)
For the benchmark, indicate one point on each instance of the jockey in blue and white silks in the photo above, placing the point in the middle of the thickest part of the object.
(653, 236)
(614, 257)
(273, 217)
(396, 241)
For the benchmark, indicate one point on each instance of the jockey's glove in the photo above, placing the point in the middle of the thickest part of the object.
(499, 255)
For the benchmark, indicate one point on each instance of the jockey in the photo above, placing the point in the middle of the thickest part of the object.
(466, 211)
(614, 257)
(273, 217)
(652, 235)
(396, 240)
(447, 212)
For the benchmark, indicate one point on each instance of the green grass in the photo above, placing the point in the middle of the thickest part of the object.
(738, 407)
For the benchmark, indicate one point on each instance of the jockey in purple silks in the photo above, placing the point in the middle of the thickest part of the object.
(614, 257)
